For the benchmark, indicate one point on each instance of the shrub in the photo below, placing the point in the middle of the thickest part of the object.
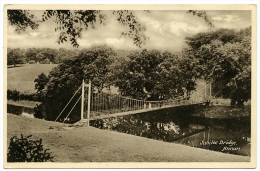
(16, 96)
(39, 111)
(13, 95)
(32, 62)
(25, 150)
(46, 61)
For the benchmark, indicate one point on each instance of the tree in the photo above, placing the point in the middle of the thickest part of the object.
(15, 56)
(223, 35)
(150, 74)
(90, 64)
(46, 54)
(63, 54)
(41, 82)
(225, 61)
(31, 54)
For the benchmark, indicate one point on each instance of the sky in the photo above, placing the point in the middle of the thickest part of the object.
(166, 30)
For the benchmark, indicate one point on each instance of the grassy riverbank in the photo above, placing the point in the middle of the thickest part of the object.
(22, 103)
(88, 144)
(219, 111)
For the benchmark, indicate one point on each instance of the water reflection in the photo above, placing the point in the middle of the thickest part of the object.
(20, 110)
(224, 135)
(166, 128)
(220, 139)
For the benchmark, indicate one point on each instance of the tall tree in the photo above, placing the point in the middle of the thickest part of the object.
(41, 82)
(31, 54)
(91, 64)
(150, 74)
(225, 61)
(15, 56)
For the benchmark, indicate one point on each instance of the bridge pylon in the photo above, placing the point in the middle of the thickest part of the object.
(83, 100)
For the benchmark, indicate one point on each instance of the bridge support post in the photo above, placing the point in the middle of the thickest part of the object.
(89, 96)
(82, 100)
(150, 105)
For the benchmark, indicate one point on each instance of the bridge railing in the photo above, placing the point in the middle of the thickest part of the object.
(103, 103)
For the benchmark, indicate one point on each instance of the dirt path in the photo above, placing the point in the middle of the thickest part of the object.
(89, 144)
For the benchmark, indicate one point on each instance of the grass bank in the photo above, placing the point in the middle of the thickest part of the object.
(22, 77)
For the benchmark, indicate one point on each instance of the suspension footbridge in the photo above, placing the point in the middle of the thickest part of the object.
(101, 104)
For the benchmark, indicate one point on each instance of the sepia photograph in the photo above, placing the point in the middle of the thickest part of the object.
(129, 86)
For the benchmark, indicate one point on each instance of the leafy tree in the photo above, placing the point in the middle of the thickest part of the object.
(139, 73)
(31, 54)
(151, 74)
(13, 95)
(223, 35)
(39, 111)
(90, 64)
(225, 61)
(15, 56)
(41, 82)
(63, 54)
(46, 54)
(40, 57)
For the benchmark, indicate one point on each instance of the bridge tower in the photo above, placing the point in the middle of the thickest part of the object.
(83, 100)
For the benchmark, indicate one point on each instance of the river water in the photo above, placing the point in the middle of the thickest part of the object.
(20, 110)
(227, 135)
(231, 135)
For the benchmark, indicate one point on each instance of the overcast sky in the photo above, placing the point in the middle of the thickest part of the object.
(166, 30)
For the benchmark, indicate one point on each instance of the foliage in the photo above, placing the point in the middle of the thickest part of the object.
(223, 57)
(38, 55)
(71, 23)
(202, 14)
(65, 54)
(90, 64)
(32, 62)
(16, 96)
(26, 150)
(150, 74)
(13, 95)
(39, 111)
(41, 82)
(21, 19)
(15, 56)
(31, 54)
(135, 32)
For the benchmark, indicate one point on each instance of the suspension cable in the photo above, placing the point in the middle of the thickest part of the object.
(72, 108)
(67, 103)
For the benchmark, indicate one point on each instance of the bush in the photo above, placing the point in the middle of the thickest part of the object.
(16, 96)
(32, 62)
(46, 61)
(39, 111)
(25, 150)
(13, 95)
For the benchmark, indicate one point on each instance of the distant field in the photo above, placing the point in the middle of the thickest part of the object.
(22, 77)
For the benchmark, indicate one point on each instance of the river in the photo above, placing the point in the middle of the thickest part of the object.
(228, 135)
